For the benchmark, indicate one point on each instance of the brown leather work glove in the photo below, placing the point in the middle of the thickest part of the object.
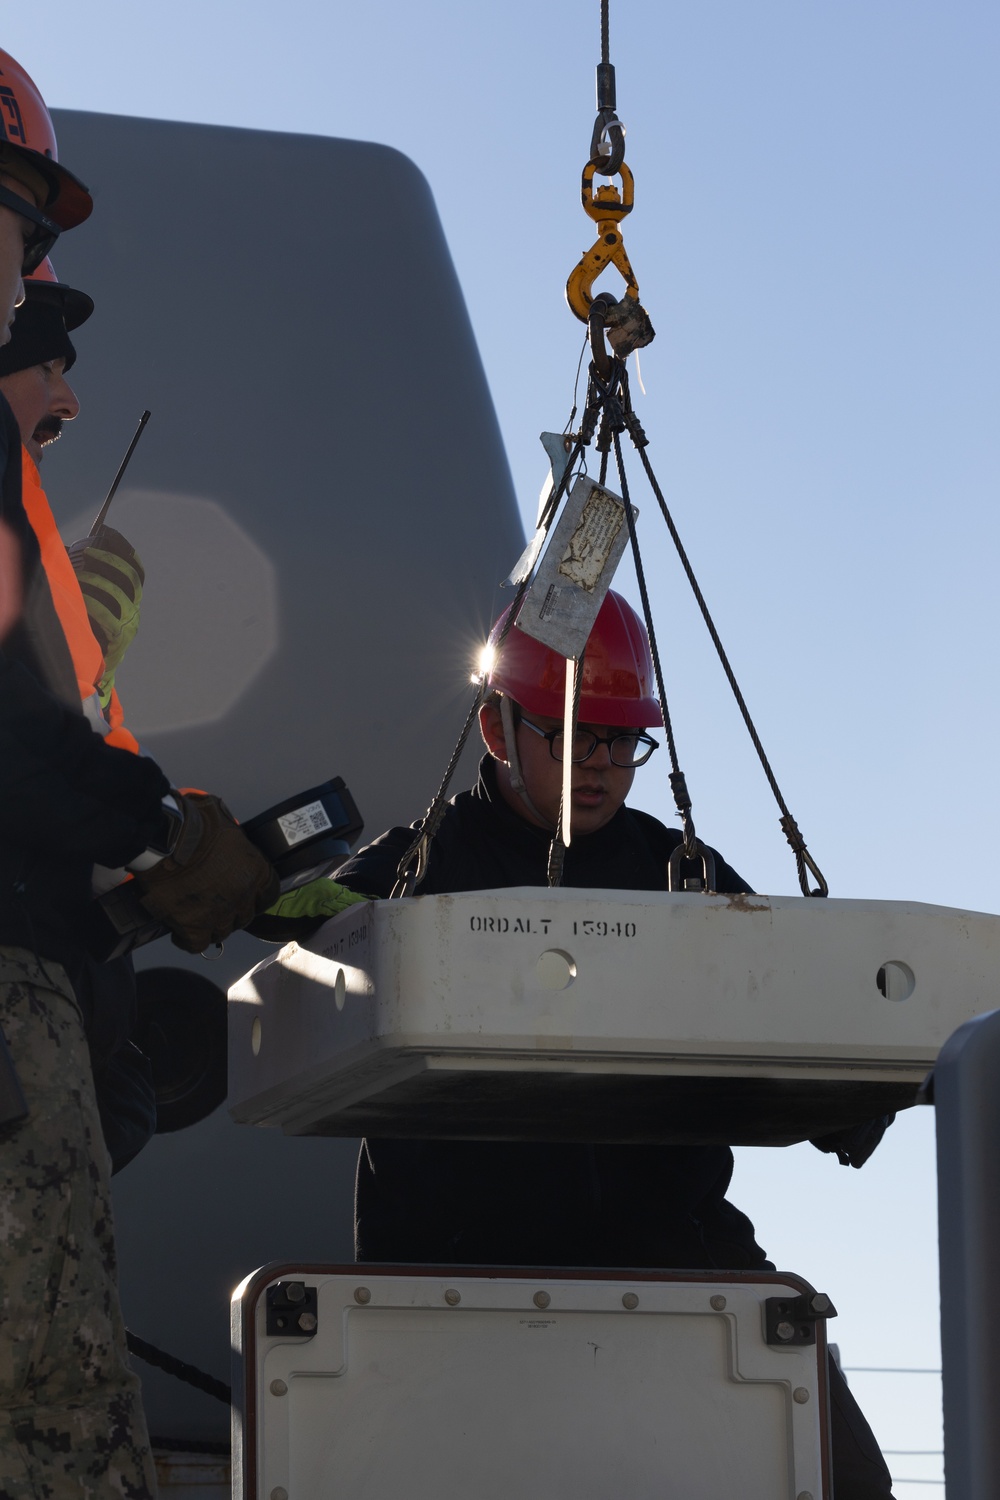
(212, 882)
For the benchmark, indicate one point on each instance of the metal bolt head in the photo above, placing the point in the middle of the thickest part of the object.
(295, 1291)
(279, 1493)
(804, 1495)
(630, 1300)
(800, 1394)
(308, 1322)
(278, 1388)
(718, 1302)
(785, 1331)
(541, 1299)
(362, 1295)
(820, 1302)
(452, 1297)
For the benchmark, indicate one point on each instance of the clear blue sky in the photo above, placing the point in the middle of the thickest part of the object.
(816, 239)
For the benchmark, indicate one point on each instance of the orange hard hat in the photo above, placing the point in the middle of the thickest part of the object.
(27, 132)
(618, 680)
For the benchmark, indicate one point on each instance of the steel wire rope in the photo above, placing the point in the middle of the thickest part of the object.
(790, 828)
(607, 126)
(407, 878)
(612, 415)
(179, 1368)
(678, 783)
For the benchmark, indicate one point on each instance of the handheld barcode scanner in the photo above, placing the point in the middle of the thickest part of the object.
(307, 836)
(304, 837)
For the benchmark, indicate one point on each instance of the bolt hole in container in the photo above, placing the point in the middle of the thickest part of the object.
(556, 970)
(896, 980)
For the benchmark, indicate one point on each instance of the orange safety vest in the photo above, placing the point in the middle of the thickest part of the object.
(88, 662)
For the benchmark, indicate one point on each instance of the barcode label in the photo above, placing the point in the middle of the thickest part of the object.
(303, 823)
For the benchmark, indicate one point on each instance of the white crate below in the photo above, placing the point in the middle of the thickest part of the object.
(530, 1384)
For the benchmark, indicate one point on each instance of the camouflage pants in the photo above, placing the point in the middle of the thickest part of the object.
(71, 1420)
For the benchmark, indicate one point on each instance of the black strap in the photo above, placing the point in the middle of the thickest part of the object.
(190, 1374)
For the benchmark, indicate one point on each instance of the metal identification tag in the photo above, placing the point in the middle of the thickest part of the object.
(576, 569)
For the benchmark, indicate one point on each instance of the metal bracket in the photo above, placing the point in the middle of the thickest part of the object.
(291, 1310)
(790, 1322)
(677, 880)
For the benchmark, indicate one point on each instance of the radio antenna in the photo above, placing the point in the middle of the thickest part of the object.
(118, 477)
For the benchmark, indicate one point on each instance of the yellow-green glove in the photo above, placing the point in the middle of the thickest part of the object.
(298, 913)
(111, 577)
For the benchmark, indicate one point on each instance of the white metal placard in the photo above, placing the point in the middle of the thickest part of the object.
(576, 569)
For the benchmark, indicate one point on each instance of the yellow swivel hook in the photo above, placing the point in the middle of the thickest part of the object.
(607, 208)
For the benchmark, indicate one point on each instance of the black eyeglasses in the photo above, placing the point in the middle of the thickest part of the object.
(627, 748)
(42, 237)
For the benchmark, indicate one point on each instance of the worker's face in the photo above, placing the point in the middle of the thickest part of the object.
(20, 178)
(41, 399)
(14, 232)
(598, 787)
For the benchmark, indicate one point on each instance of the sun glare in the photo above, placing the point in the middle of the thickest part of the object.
(487, 659)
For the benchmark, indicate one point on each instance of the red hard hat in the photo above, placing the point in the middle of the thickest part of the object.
(26, 127)
(618, 686)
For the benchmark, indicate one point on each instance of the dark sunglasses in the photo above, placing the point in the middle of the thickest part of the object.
(44, 233)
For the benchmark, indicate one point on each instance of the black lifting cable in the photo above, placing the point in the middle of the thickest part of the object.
(190, 1374)
(613, 422)
(678, 783)
(609, 402)
(804, 861)
(608, 393)
(409, 874)
(413, 866)
(607, 143)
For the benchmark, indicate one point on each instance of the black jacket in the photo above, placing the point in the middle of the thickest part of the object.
(499, 1203)
(67, 799)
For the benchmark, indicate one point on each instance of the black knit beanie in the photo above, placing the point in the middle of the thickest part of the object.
(39, 331)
